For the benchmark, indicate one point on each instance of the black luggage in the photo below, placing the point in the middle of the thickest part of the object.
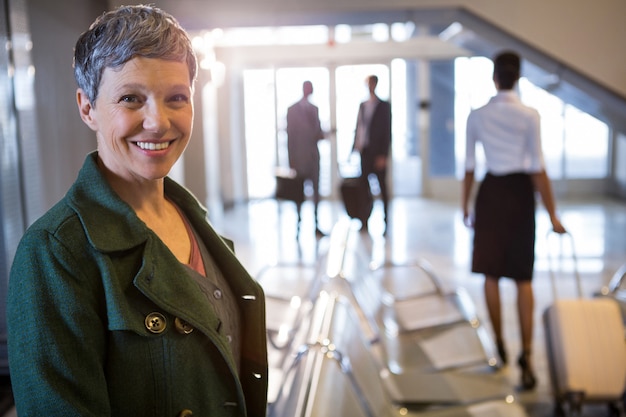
(357, 198)
(289, 186)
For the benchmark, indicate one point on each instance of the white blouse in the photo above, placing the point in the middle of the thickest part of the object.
(510, 134)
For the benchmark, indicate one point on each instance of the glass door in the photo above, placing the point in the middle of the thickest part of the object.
(405, 172)
(351, 82)
(268, 93)
(337, 92)
(289, 91)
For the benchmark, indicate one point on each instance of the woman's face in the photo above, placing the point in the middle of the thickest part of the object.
(142, 117)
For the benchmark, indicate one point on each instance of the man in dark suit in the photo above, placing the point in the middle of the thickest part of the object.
(303, 133)
(373, 140)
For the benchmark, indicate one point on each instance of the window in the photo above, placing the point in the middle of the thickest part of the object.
(575, 144)
(586, 145)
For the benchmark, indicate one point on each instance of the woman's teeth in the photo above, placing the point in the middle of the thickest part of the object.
(151, 146)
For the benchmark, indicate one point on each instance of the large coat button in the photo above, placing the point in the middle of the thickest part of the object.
(155, 323)
(185, 413)
(182, 326)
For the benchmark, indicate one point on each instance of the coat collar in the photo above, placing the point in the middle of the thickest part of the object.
(111, 224)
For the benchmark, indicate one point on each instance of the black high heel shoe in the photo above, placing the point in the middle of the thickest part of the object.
(527, 380)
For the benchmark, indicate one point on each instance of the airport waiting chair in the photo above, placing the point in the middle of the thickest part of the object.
(349, 381)
(410, 318)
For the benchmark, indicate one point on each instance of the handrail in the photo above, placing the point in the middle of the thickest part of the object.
(617, 279)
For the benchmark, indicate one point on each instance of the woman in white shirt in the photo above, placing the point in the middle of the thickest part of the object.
(504, 210)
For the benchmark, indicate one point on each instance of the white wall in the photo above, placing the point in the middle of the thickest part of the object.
(587, 35)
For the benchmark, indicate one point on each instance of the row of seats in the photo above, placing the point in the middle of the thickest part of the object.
(348, 338)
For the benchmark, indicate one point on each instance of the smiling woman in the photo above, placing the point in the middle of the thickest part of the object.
(142, 119)
(142, 307)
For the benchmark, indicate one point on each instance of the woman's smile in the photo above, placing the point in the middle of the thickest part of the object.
(153, 146)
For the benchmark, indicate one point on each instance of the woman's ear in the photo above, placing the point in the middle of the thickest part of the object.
(85, 109)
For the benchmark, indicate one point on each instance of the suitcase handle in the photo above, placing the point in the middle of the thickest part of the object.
(551, 270)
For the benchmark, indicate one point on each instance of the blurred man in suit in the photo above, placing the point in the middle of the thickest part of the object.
(303, 133)
(373, 140)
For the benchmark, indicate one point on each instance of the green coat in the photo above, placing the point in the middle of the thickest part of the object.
(87, 282)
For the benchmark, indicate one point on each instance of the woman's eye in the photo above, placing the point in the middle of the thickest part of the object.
(180, 98)
(128, 99)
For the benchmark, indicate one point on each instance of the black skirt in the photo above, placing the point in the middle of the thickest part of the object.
(504, 228)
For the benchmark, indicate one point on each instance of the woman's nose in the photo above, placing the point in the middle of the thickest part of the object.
(156, 118)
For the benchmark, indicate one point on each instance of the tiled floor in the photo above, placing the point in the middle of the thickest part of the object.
(264, 232)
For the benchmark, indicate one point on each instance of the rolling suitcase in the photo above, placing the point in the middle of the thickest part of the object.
(585, 348)
(357, 198)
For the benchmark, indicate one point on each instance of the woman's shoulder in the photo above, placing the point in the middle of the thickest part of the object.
(58, 219)
(58, 227)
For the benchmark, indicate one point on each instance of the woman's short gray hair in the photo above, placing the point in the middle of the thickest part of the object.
(127, 32)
